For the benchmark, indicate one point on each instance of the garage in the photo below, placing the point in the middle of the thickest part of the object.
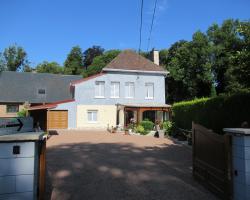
(57, 119)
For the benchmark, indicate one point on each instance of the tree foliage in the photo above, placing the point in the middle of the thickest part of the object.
(74, 62)
(14, 58)
(190, 69)
(49, 67)
(91, 53)
(211, 63)
(100, 62)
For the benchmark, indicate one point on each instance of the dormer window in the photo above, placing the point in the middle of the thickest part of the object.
(41, 91)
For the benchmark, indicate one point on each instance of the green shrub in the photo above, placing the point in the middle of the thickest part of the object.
(140, 129)
(168, 127)
(214, 113)
(22, 113)
(147, 125)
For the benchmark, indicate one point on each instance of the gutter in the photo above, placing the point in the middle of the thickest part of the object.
(136, 71)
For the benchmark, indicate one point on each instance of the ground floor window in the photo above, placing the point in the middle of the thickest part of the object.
(12, 108)
(92, 116)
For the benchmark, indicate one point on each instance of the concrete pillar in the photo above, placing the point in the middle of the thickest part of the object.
(121, 118)
(241, 162)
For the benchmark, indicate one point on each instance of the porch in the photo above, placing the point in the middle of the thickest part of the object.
(135, 113)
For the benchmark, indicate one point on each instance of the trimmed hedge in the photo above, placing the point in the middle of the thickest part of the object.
(214, 113)
(147, 125)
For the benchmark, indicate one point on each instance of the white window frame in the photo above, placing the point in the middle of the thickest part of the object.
(129, 84)
(147, 91)
(97, 84)
(115, 87)
(92, 116)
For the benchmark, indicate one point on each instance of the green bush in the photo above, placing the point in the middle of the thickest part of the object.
(22, 113)
(140, 129)
(215, 113)
(168, 127)
(147, 125)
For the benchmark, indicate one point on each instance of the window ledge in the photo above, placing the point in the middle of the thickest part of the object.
(114, 97)
(96, 97)
(149, 98)
(129, 97)
(92, 122)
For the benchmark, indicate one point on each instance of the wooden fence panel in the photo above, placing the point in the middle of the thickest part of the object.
(212, 160)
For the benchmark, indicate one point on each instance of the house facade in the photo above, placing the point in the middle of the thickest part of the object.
(131, 87)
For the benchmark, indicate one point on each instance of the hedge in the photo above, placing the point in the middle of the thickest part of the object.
(214, 113)
(147, 125)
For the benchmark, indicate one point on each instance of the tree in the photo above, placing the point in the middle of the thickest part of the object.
(90, 54)
(49, 67)
(225, 43)
(241, 60)
(100, 62)
(163, 54)
(190, 69)
(14, 58)
(2, 63)
(74, 62)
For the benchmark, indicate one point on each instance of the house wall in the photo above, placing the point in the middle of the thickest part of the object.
(3, 109)
(85, 91)
(106, 116)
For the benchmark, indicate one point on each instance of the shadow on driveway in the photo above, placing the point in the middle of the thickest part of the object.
(113, 171)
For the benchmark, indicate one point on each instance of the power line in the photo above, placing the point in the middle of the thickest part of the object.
(140, 27)
(151, 27)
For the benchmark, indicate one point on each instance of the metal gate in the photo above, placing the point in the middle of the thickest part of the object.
(212, 160)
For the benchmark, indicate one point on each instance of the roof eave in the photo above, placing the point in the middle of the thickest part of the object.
(135, 71)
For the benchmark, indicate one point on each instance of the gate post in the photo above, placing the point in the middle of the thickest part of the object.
(241, 162)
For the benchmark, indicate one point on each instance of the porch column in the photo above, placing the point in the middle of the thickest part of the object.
(139, 115)
(121, 117)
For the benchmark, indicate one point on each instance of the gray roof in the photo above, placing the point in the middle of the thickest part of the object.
(24, 86)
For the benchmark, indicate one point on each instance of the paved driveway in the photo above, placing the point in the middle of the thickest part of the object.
(99, 165)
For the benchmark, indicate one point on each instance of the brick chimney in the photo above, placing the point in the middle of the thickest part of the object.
(155, 56)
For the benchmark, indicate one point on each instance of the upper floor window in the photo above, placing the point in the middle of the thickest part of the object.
(99, 89)
(12, 108)
(115, 89)
(149, 90)
(129, 90)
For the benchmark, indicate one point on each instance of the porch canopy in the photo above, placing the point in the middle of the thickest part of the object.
(126, 113)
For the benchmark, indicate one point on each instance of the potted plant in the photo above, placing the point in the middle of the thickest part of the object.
(126, 131)
(130, 128)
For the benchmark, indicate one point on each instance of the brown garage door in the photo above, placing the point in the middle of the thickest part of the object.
(58, 119)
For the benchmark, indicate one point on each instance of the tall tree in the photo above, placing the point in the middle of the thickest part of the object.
(225, 43)
(190, 69)
(2, 63)
(49, 67)
(90, 54)
(14, 58)
(241, 60)
(100, 62)
(163, 54)
(74, 62)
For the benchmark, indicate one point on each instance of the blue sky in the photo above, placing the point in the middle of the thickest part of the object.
(47, 29)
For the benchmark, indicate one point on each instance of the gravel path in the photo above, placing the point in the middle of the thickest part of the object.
(99, 165)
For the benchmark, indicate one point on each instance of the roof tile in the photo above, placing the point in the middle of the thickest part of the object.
(130, 60)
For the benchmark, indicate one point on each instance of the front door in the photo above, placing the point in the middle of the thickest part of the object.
(129, 114)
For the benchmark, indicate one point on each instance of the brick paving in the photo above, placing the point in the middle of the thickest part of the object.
(103, 166)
